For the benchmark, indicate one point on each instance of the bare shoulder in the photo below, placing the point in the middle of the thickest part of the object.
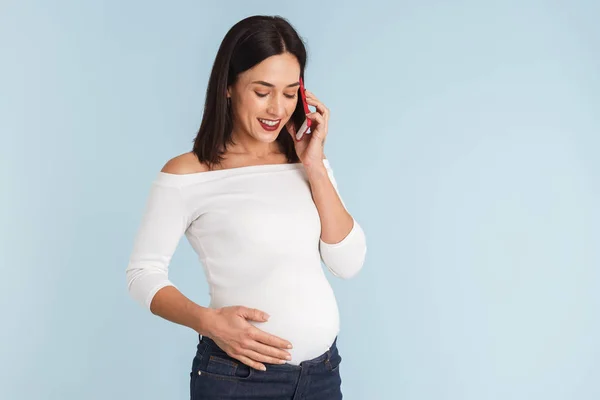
(186, 163)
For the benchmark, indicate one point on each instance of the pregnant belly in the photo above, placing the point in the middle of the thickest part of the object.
(302, 310)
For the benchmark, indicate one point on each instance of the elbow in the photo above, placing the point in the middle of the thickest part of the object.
(134, 276)
(346, 258)
(144, 281)
(349, 268)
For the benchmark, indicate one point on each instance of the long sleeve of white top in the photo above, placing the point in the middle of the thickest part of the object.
(163, 224)
(345, 258)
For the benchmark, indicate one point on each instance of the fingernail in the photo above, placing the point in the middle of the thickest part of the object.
(263, 368)
(289, 346)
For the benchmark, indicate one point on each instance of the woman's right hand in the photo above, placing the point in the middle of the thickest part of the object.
(241, 340)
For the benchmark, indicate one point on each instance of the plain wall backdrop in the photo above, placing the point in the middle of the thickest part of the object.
(464, 137)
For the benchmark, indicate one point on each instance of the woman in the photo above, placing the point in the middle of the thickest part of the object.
(262, 211)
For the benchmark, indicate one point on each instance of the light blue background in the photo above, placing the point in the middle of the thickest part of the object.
(464, 137)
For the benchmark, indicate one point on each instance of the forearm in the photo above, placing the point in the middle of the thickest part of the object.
(336, 222)
(170, 304)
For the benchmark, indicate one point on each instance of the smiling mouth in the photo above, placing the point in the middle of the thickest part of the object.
(269, 124)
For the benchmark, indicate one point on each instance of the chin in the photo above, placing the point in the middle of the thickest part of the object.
(267, 137)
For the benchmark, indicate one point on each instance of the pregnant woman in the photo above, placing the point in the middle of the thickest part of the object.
(261, 208)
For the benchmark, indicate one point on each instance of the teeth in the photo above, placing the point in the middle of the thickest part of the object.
(270, 123)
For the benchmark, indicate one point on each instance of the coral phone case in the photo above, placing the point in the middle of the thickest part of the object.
(305, 128)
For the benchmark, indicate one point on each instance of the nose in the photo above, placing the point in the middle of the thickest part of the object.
(276, 107)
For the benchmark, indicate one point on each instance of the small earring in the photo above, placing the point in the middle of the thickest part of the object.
(229, 102)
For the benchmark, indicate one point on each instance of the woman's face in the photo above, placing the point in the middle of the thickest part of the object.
(265, 96)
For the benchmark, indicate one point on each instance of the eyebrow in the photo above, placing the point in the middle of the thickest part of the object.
(271, 85)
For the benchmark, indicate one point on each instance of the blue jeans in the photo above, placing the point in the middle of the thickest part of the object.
(215, 375)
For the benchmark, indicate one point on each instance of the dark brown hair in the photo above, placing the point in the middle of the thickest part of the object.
(247, 43)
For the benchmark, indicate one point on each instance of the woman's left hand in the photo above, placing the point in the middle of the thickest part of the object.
(310, 146)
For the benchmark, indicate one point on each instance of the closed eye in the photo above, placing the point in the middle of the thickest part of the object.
(292, 96)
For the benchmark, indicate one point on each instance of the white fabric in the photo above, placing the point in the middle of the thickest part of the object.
(256, 231)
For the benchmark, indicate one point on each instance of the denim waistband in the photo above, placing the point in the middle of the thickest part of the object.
(323, 358)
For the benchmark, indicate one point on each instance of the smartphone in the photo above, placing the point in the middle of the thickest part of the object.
(305, 127)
